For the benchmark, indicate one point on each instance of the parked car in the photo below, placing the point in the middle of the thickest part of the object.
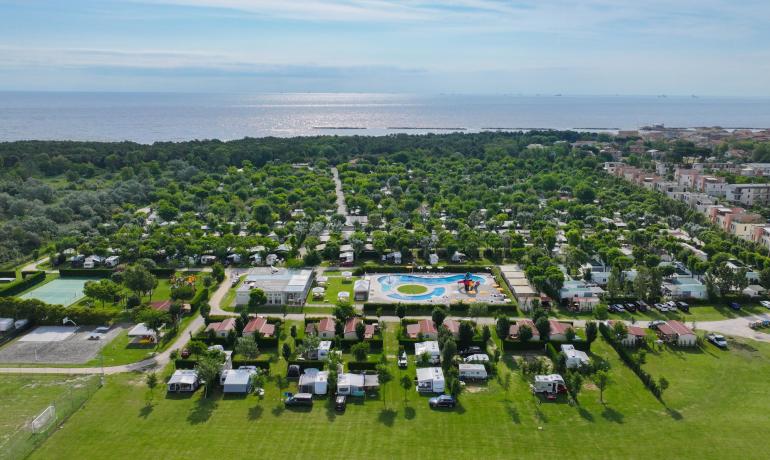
(293, 372)
(717, 339)
(340, 402)
(442, 401)
(683, 306)
(765, 303)
(402, 361)
(735, 305)
(630, 307)
(470, 351)
(655, 323)
(298, 400)
(102, 329)
(641, 306)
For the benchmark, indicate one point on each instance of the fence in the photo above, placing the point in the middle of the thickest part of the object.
(36, 429)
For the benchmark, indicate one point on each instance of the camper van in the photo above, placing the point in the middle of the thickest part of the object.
(473, 372)
(549, 384)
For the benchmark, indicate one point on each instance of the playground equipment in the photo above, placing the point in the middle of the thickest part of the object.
(471, 286)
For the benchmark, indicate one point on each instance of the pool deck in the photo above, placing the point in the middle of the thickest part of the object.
(449, 292)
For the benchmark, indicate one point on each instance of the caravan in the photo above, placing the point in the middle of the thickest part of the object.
(430, 380)
(473, 372)
(549, 384)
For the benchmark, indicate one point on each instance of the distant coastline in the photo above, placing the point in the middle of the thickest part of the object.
(153, 117)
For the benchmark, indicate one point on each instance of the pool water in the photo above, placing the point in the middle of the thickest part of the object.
(390, 283)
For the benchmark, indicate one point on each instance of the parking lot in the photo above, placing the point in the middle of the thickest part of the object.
(55, 345)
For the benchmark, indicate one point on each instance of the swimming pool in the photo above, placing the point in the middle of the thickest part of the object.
(439, 284)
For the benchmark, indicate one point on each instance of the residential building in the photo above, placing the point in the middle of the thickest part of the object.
(559, 330)
(325, 328)
(259, 326)
(281, 286)
(748, 194)
(423, 328)
(513, 330)
(675, 332)
(223, 328)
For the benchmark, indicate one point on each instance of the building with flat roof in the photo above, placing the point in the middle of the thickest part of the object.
(281, 286)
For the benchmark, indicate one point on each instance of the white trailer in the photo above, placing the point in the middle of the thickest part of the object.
(430, 380)
(473, 372)
(551, 384)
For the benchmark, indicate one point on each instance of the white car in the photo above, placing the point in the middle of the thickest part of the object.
(718, 340)
(765, 303)
(402, 362)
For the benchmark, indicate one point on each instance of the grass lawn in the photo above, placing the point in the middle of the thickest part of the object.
(412, 289)
(714, 312)
(334, 286)
(120, 351)
(25, 396)
(705, 410)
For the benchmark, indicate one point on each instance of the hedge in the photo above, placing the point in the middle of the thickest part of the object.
(41, 313)
(200, 298)
(86, 272)
(182, 363)
(354, 366)
(260, 363)
(358, 271)
(163, 272)
(515, 345)
(307, 364)
(22, 285)
(629, 360)
(7, 273)
(455, 309)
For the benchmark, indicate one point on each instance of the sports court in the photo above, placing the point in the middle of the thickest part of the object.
(61, 291)
(48, 334)
(56, 345)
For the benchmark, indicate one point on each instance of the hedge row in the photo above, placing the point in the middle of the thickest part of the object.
(7, 273)
(22, 285)
(163, 272)
(182, 363)
(86, 272)
(627, 358)
(403, 269)
(41, 313)
(515, 345)
(362, 366)
(200, 298)
(455, 309)
(259, 363)
(307, 364)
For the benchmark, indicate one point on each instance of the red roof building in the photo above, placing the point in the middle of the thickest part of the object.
(259, 325)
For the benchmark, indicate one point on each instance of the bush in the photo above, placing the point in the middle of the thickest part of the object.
(181, 363)
(41, 313)
(355, 366)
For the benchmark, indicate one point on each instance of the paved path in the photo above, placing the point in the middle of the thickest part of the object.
(218, 296)
(341, 207)
(32, 266)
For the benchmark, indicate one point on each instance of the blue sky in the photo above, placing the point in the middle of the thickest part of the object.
(705, 47)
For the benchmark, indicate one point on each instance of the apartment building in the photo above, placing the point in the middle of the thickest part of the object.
(748, 194)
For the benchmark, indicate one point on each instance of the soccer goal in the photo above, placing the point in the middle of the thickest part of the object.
(43, 420)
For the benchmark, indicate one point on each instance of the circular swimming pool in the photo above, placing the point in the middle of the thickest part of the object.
(436, 284)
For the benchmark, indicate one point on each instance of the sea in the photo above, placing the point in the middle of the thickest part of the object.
(152, 117)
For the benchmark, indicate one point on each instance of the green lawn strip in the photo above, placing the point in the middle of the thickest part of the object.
(334, 285)
(412, 289)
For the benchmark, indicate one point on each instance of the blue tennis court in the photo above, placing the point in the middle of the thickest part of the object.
(61, 291)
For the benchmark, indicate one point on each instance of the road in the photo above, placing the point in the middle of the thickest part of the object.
(341, 206)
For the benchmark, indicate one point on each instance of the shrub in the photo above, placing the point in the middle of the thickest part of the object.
(23, 284)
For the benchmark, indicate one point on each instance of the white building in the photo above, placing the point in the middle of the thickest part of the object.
(748, 194)
(281, 286)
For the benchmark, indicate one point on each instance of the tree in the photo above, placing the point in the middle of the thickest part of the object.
(360, 330)
(601, 379)
(486, 334)
(360, 351)
(619, 330)
(543, 328)
(466, 332)
(247, 347)
(139, 280)
(152, 382)
(584, 192)
(344, 311)
(204, 310)
(591, 332)
(104, 290)
(286, 351)
(383, 372)
(663, 385)
(400, 311)
(257, 298)
(218, 272)
(525, 333)
(196, 348)
(503, 326)
(438, 315)
(574, 383)
(602, 312)
(448, 353)
(209, 366)
(570, 334)
(406, 384)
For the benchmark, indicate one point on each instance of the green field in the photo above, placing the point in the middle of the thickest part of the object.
(412, 289)
(25, 396)
(704, 410)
